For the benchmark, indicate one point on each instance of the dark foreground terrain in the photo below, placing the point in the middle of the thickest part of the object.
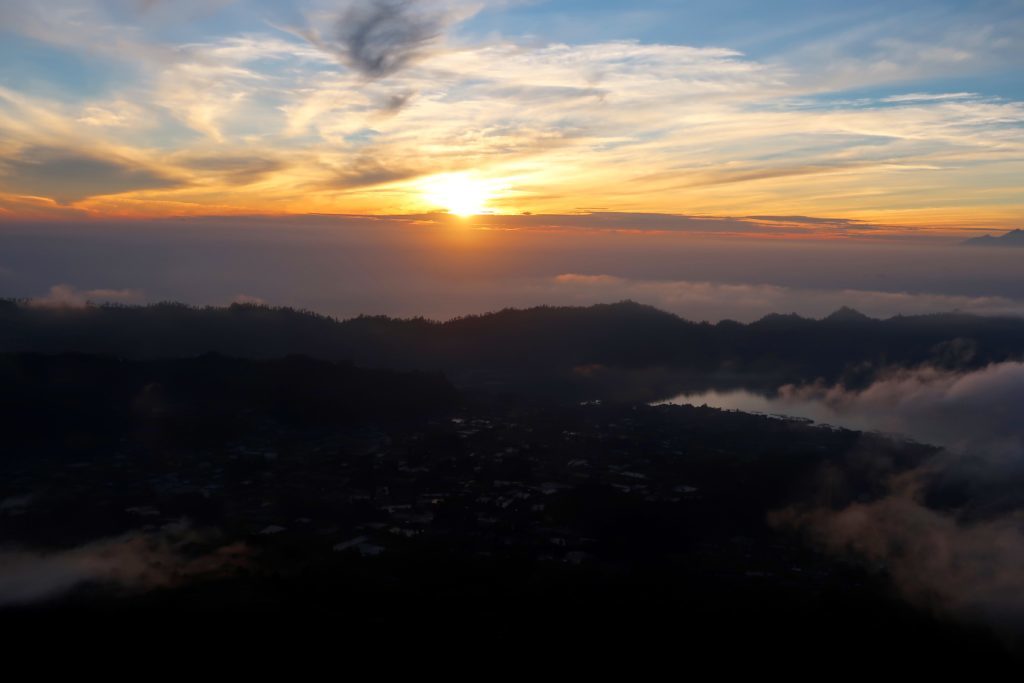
(284, 497)
(396, 520)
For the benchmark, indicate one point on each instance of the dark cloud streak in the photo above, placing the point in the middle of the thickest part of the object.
(380, 38)
(69, 175)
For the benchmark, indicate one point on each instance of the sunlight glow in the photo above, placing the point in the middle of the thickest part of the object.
(462, 194)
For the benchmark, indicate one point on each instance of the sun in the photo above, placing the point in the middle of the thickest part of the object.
(462, 194)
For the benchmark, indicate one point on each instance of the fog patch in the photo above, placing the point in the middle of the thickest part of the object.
(133, 562)
(950, 532)
(973, 569)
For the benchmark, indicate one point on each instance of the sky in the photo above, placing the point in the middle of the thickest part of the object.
(721, 159)
(904, 115)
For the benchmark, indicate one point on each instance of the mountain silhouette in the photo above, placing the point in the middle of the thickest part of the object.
(598, 350)
(1014, 238)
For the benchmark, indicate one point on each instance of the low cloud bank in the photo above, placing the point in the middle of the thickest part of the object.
(133, 562)
(441, 269)
(980, 411)
(972, 569)
(747, 302)
(950, 533)
(410, 295)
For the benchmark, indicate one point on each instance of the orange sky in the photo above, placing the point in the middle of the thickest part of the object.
(135, 110)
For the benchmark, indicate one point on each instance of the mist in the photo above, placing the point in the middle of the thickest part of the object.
(137, 561)
(440, 267)
(950, 532)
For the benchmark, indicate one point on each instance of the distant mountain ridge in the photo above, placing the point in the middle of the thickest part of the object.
(616, 347)
(1014, 238)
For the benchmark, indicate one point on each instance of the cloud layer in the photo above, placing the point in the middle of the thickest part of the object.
(950, 533)
(977, 411)
(748, 302)
(698, 267)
